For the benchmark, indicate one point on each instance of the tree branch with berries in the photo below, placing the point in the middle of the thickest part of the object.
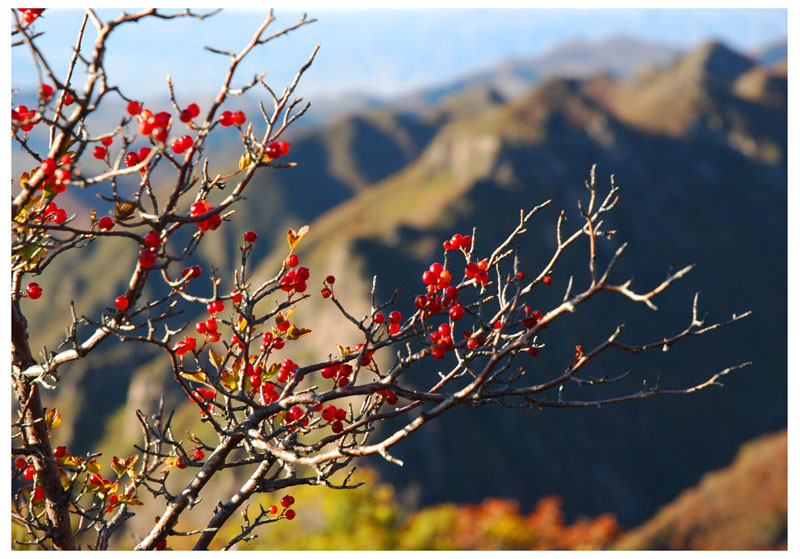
(278, 423)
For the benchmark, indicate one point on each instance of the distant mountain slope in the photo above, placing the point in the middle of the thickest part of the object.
(687, 194)
(742, 506)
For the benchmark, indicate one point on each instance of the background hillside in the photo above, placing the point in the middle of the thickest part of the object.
(698, 144)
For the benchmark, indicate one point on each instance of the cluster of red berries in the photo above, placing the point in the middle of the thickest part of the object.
(199, 208)
(532, 318)
(192, 271)
(295, 280)
(431, 303)
(190, 112)
(388, 396)
(209, 329)
(441, 341)
(100, 152)
(100, 483)
(436, 277)
(33, 290)
(395, 318)
(28, 118)
(182, 144)
(275, 150)
(458, 242)
(228, 118)
(326, 291)
(474, 341)
(133, 158)
(287, 370)
(55, 214)
(478, 271)
(335, 416)
(154, 125)
(57, 174)
(205, 395)
(267, 390)
(286, 502)
(340, 373)
(182, 347)
(197, 455)
(270, 342)
(367, 358)
(29, 15)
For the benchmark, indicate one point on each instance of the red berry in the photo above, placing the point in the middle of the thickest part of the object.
(46, 91)
(30, 472)
(290, 514)
(152, 240)
(328, 414)
(160, 546)
(38, 494)
(131, 159)
(113, 500)
(451, 292)
(236, 297)
(68, 100)
(219, 306)
(330, 280)
(185, 116)
(534, 351)
(107, 141)
(302, 273)
(143, 153)
(341, 414)
(273, 509)
(60, 217)
(284, 148)
(62, 176)
(147, 258)
(180, 464)
(394, 328)
(466, 241)
(547, 280)
(438, 352)
(287, 501)
(105, 223)
(325, 292)
(239, 118)
(134, 108)
(250, 236)
(395, 317)
(60, 452)
(201, 327)
(292, 260)
(20, 463)
(211, 324)
(226, 118)
(121, 302)
(273, 150)
(337, 427)
(48, 166)
(193, 110)
(456, 312)
(520, 276)
(34, 291)
(378, 318)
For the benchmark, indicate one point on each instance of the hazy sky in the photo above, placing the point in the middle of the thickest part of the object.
(375, 52)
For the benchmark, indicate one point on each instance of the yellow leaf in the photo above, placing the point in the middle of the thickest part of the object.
(122, 465)
(294, 332)
(244, 162)
(216, 359)
(123, 211)
(93, 466)
(198, 376)
(294, 238)
(52, 419)
(242, 324)
(343, 351)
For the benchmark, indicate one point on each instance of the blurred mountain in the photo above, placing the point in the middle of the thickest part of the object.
(741, 507)
(773, 53)
(699, 148)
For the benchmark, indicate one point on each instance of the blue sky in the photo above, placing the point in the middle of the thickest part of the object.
(377, 52)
